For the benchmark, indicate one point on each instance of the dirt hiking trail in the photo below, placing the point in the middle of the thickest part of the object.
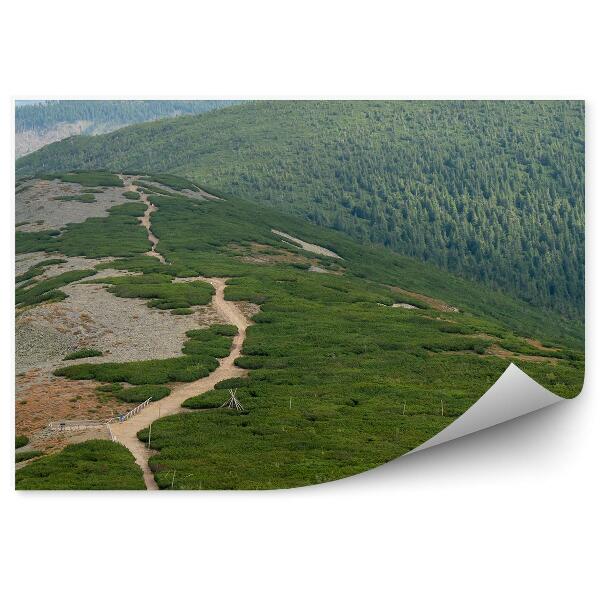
(145, 221)
(126, 432)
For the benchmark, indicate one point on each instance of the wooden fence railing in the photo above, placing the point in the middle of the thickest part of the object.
(74, 425)
(131, 413)
(110, 433)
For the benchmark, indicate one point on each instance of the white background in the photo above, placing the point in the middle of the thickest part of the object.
(507, 513)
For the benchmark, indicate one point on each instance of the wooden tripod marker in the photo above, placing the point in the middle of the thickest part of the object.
(233, 402)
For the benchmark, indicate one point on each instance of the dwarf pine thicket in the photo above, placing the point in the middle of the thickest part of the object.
(339, 380)
(92, 465)
(83, 353)
(87, 197)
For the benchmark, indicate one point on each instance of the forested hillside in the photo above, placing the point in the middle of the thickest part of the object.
(490, 190)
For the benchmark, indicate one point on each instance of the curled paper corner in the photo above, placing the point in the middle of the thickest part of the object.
(514, 394)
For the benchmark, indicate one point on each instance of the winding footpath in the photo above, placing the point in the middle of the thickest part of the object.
(145, 221)
(126, 432)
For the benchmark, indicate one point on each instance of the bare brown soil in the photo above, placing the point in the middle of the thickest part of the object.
(434, 303)
(306, 245)
(496, 350)
(248, 309)
(317, 269)
(263, 254)
(43, 398)
(256, 253)
(537, 344)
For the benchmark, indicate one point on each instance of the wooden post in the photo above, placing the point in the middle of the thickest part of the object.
(233, 402)
(442, 402)
(173, 480)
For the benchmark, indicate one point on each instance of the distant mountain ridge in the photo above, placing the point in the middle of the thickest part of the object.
(43, 122)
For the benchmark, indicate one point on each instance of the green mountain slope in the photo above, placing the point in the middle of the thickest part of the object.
(352, 360)
(493, 191)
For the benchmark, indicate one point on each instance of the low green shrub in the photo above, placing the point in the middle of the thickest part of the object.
(234, 382)
(87, 178)
(83, 353)
(260, 317)
(455, 328)
(514, 344)
(92, 465)
(196, 402)
(51, 261)
(48, 289)
(85, 198)
(131, 195)
(173, 181)
(156, 193)
(21, 456)
(109, 388)
(465, 344)
(21, 440)
(403, 299)
(217, 346)
(181, 368)
(182, 311)
(142, 264)
(140, 393)
(160, 290)
(224, 329)
(249, 362)
(38, 269)
(35, 241)
(211, 399)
